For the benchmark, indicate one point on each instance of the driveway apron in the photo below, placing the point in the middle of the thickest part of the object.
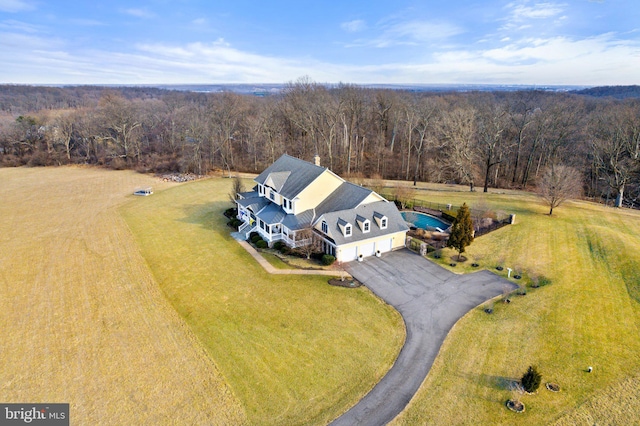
(431, 300)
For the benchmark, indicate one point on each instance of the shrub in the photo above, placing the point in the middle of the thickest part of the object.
(253, 234)
(327, 259)
(449, 216)
(255, 239)
(531, 379)
(278, 245)
(285, 250)
(261, 244)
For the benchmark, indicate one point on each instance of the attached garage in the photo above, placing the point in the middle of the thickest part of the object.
(347, 254)
(367, 249)
(384, 246)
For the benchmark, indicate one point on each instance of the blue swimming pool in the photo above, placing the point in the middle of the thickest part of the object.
(424, 221)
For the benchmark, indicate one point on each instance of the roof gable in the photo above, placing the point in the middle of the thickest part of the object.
(276, 180)
(291, 174)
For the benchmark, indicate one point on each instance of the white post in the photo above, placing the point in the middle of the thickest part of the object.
(509, 273)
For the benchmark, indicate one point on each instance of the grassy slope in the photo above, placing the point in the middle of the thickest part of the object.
(294, 349)
(586, 317)
(82, 319)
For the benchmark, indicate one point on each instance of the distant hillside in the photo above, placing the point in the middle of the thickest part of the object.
(618, 92)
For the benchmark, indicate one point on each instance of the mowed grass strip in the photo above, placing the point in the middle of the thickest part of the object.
(587, 316)
(294, 349)
(82, 319)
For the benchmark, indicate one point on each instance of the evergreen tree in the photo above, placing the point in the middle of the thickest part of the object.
(531, 379)
(461, 231)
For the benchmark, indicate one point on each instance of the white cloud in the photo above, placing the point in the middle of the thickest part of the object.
(139, 13)
(410, 32)
(13, 6)
(559, 60)
(354, 26)
(87, 22)
(12, 25)
(522, 11)
(30, 59)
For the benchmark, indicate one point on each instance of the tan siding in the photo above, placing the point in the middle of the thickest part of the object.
(316, 192)
(372, 198)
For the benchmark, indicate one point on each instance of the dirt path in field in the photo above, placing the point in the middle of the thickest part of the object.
(82, 319)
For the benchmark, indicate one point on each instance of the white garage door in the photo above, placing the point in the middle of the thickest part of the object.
(384, 246)
(366, 249)
(347, 254)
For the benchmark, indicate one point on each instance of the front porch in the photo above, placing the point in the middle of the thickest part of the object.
(270, 233)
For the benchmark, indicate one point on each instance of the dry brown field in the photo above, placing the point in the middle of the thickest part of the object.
(82, 319)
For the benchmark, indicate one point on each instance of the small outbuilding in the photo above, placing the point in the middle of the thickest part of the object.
(143, 191)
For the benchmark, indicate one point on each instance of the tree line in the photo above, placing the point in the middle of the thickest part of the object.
(480, 139)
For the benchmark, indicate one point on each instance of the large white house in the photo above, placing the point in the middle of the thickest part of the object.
(295, 199)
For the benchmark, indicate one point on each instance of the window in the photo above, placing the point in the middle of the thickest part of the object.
(260, 189)
(347, 230)
(366, 227)
(272, 195)
(380, 219)
(325, 227)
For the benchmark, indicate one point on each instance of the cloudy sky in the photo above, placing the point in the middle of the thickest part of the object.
(581, 42)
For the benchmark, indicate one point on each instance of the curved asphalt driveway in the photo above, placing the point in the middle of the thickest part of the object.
(431, 300)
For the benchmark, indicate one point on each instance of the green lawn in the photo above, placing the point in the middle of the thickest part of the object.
(293, 349)
(297, 351)
(588, 316)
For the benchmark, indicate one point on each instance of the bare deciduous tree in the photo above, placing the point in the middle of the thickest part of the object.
(313, 244)
(236, 187)
(458, 132)
(615, 148)
(491, 125)
(558, 184)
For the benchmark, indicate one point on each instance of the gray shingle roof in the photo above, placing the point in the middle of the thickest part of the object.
(299, 221)
(302, 174)
(249, 194)
(395, 222)
(277, 180)
(346, 196)
(255, 203)
(272, 214)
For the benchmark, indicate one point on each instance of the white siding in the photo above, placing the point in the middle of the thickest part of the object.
(384, 245)
(366, 250)
(347, 254)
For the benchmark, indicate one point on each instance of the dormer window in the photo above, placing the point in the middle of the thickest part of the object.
(381, 220)
(363, 223)
(345, 227)
(325, 227)
(272, 195)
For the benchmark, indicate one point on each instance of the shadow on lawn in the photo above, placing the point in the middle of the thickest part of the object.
(494, 382)
(207, 215)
